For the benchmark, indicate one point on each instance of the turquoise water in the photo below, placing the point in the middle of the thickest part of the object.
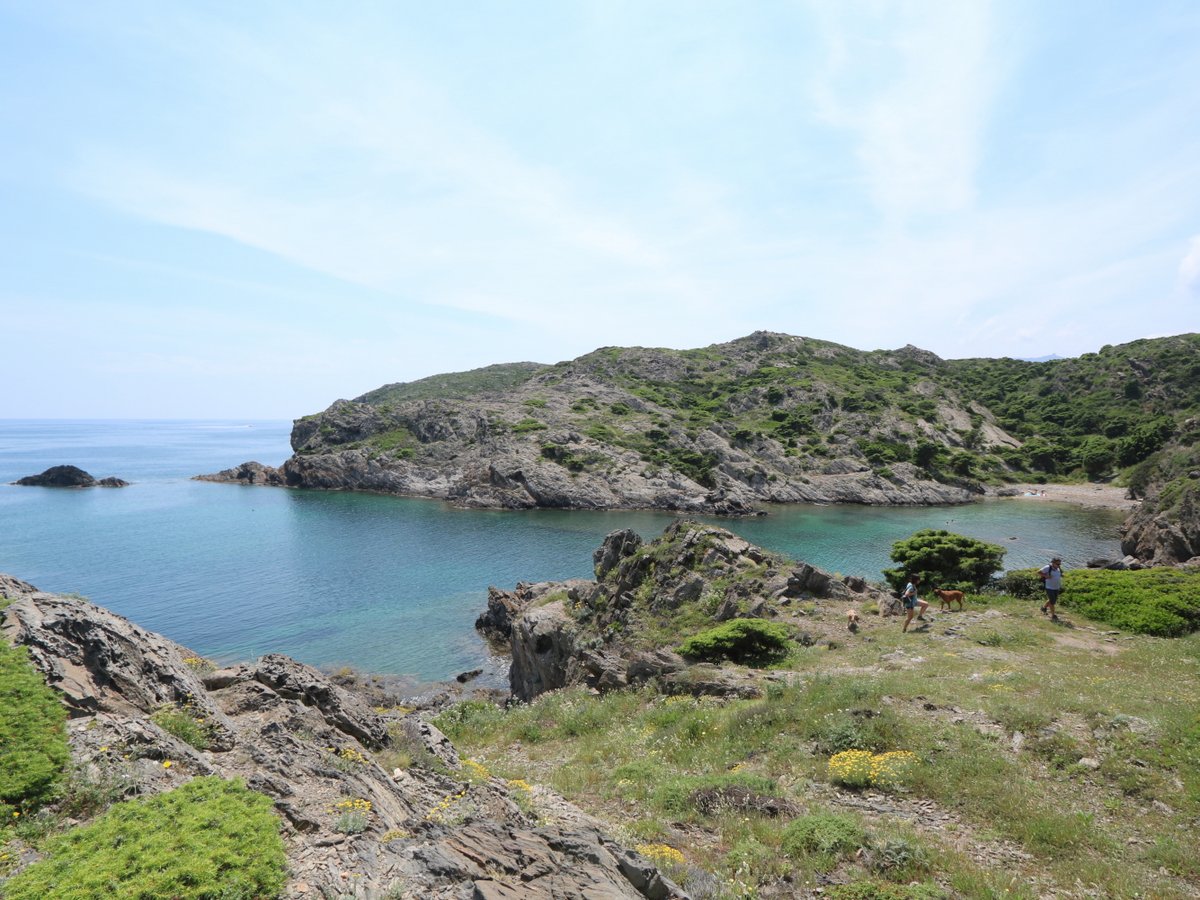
(383, 584)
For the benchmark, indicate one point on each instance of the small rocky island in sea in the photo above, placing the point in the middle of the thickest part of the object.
(69, 476)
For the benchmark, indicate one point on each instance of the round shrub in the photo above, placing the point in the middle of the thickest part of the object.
(209, 838)
(740, 640)
(823, 832)
(944, 560)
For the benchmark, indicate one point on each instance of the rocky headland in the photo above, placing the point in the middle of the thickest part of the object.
(437, 826)
(768, 418)
(69, 476)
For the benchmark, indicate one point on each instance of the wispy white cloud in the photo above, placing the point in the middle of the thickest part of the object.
(348, 151)
(1189, 268)
(914, 83)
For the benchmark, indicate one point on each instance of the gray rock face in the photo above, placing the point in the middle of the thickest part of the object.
(247, 473)
(504, 607)
(543, 651)
(69, 476)
(1155, 540)
(616, 547)
(433, 831)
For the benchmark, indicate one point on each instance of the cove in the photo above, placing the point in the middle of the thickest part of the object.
(382, 584)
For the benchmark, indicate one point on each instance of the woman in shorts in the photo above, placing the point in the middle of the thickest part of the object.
(913, 604)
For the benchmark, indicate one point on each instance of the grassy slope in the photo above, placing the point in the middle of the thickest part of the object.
(456, 385)
(999, 706)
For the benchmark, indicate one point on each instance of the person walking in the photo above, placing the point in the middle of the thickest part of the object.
(914, 604)
(1051, 576)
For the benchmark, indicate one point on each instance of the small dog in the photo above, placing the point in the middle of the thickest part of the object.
(948, 597)
(852, 619)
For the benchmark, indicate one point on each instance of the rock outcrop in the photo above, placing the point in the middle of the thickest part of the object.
(435, 829)
(247, 473)
(1165, 529)
(588, 632)
(69, 476)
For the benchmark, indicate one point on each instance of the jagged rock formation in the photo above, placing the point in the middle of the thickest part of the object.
(435, 829)
(69, 476)
(1165, 529)
(593, 632)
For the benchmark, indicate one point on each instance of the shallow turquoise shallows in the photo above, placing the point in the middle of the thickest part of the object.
(383, 584)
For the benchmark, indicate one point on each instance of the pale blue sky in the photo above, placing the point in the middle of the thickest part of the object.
(251, 209)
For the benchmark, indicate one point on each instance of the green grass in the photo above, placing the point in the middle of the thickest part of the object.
(33, 742)
(185, 722)
(209, 838)
(456, 385)
(644, 762)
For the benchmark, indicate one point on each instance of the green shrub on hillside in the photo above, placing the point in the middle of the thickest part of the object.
(944, 560)
(33, 741)
(740, 640)
(209, 838)
(823, 832)
(1164, 602)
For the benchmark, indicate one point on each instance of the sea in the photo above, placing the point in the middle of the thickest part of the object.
(381, 584)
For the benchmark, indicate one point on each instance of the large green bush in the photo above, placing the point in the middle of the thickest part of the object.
(944, 560)
(33, 740)
(209, 838)
(742, 640)
(1165, 601)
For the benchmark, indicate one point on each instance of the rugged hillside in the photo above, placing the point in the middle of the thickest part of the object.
(766, 418)
(618, 630)
(371, 802)
(1165, 529)
(987, 752)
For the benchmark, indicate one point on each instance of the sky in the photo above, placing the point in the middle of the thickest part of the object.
(249, 210)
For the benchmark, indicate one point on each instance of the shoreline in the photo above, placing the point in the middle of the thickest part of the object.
(1093, 496)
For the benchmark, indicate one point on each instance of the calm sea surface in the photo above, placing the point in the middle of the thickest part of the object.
(384, 584)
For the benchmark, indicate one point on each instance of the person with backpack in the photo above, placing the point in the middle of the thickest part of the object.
(1051, 576)
(914, 605)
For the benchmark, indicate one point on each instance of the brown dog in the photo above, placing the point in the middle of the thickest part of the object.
(948, 597)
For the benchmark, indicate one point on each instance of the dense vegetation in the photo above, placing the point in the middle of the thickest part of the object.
(742, 640)
(944, 560)
(33, 741)
(209, 838)
(1161, 601)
